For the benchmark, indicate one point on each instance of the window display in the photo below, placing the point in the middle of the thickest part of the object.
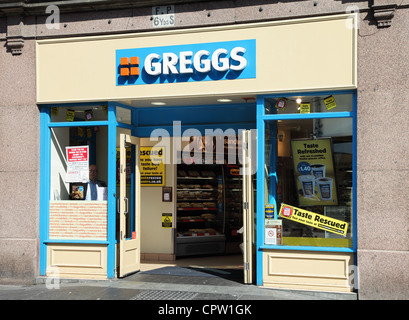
(309, 173)
(74, 150)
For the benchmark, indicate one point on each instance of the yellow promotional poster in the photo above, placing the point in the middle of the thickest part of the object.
(313, 219)
(330, 103)
(305, 107)
(152, 166)
(314, 172)
(70, 115)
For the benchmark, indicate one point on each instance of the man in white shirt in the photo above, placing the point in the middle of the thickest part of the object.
(93, 183)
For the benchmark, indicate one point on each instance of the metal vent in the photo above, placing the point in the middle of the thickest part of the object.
(164, 295)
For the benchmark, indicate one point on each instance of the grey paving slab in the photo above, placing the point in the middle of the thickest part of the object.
(164, 284)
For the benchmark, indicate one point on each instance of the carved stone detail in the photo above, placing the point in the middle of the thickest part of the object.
(15, 37)
(15, 45)
(383, 15)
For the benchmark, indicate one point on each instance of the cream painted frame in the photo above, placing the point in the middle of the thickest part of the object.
(81, 261)
(322, 271)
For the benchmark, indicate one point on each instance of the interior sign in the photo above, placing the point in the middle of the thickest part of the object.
(152, 166)
(187, 63)
(77, 164)
(163, 16)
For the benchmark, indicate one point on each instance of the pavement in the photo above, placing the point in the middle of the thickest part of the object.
(163, 283)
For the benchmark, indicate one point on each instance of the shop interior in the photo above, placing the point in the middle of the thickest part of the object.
(339, 133)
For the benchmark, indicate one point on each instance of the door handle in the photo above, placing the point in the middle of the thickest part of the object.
(126, 205)
(118, 205)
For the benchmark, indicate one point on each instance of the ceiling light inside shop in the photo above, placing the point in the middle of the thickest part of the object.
(224, 100)
(157, 103)
(299, 100)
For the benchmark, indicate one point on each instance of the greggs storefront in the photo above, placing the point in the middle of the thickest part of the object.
(233, 140)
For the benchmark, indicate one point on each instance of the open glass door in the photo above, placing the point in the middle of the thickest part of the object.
(129, 205)
(248, 207)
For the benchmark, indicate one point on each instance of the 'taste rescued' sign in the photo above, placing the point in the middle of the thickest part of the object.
(187, 63)
(313, 219)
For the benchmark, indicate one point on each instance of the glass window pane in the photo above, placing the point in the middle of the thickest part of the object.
(123, 115)
(309, 104)
(290, 140)
(81, 113)
(61, 138)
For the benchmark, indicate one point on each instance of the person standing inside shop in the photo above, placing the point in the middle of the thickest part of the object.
(93, 184)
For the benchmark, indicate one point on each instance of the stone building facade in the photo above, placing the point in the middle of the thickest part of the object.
(382, 131)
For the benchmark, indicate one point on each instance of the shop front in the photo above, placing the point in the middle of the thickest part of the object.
(236, 139)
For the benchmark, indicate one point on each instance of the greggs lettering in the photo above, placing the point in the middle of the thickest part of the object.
(187, 63)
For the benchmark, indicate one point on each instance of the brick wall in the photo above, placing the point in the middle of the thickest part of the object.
(83, 220)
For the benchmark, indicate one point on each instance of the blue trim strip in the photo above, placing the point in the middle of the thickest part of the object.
(44, 186)
(111, 249)
(315, 115)
(260, 190)
(272, 175)
(76, 241)
(77, 124)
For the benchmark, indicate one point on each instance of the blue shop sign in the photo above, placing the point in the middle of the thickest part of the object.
(187, 63)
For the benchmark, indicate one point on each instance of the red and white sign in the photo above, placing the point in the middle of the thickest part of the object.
(287, 212)
(273, 232)
(77, 154)
(77, 164)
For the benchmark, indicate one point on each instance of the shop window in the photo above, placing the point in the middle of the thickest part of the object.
(309, 104)
(309, 165)
(123, 115)
(94, 139)
(81, 113)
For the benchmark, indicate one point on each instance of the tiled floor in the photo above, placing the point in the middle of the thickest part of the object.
(216, 262)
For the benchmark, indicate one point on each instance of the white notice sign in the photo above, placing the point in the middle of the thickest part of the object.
(163, 16)
(273, 232)
(77, 164)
